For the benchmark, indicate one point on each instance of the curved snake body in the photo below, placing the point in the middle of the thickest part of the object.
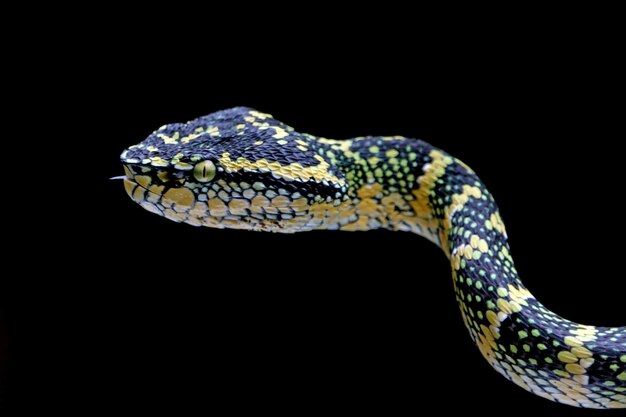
(242, 169)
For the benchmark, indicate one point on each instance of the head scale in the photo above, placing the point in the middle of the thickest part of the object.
(235, 168)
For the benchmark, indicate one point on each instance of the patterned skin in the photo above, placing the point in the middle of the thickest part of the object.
(242, 169)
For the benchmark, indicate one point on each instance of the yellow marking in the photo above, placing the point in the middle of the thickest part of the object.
(259, 202)
(504, 306)
(282, 142)
(157, 161)
(258, 143)
(190, 137)
(294, 171)
(172, 215)
(138, 194)
(581, 352)
(152, 148)
(143, 180)
(369, 190)
(302, 148)
(483, 246)
(217, 207)
(492, 317)
(129, 186)
(169, 140)
(128, 172)
(373, 160)
(280, 133)
(502, 292)
(574, 368)
(360, 224)
(566, 356)
(615, 404)
(181, 196)
(260, 115)
(280, 201)
(392, 153)
(238, 206)
(572, 341)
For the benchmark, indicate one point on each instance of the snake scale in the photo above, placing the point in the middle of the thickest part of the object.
(242, 169)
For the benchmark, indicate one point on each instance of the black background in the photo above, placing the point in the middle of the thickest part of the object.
(150, 314)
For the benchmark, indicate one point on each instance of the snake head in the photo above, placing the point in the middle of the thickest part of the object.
(235, 168)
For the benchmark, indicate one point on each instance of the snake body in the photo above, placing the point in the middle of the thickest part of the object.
(242, 169)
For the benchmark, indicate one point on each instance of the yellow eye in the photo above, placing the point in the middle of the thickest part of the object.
(204, 171)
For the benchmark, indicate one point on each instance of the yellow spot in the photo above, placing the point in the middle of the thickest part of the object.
(483, 246)
(515, 307)
(374, 149)
(280, 133)
(586, 362)
(190, 137)
(294, 171)
(129, 186)
(615, 404)
(281, 201)
(574, 368)
(260, 115)
(238, 204)
(138, 194)
(360, 224)
(128, 172)
(373, 160)
(392, 153)
(502, 292)
(258, 142)
(302, 148)
(504, 306)
(217, 207)
(169, 140)
(180, 196)
(474, 241)
(581, 352)
(282, 142)
(143, 180)
(492, 317)
(259, 202)
(369, 190)
(572, 341)
(566, 356)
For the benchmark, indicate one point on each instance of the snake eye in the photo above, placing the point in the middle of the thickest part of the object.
(204, 171)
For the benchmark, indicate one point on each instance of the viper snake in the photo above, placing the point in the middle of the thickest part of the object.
(242, 169)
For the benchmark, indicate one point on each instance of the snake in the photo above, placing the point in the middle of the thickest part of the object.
(242, 169)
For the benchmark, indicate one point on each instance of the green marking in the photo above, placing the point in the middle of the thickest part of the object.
(535, 332)
(513, 348)
(478, 285)
(522, 334)
(502, 292)
(548, 359)
(622, 358)
(556, 343)
(614, 367)
(533, 361)
(526, 347)
(541, 346)
(622, 376)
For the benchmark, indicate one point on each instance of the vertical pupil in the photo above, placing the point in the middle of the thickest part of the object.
(204, 170)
